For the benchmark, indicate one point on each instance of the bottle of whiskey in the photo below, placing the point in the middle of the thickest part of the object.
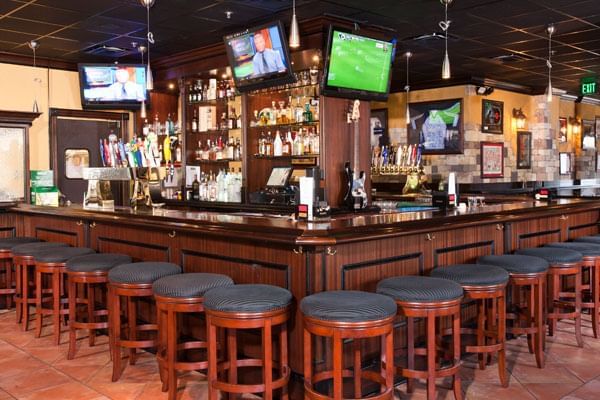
(269, 145)
(195, 121)
(195, 189)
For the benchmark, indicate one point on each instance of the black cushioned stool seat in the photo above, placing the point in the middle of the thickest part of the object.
(178, 296)
(90, 271)
(142, 272)
(96, 262)
(516, 263)
(588, 239)
(348, 314)
(27, 249)
(60, 255)
(9, 243)
(552, 254)
(419, 289)
(247, 298)
(472, 274)
(194, 284)
(230, 309)
(587, 249)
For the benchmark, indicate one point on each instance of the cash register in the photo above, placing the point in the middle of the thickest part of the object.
(278, 189)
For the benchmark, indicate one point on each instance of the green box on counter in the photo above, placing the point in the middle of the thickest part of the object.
(41, 179)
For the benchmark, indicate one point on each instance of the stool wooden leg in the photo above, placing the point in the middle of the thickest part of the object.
(212, 359)
(56, 305)
(132, 324)
(19, 293)
(283, 358)
(161, 350)
(116, 328)
(456, 384)
(388, 351)
(538, 306)
(480, 331)
(338, 382)
(431, 356)
(410, 338)
(171, 354)
(578, 336)
(531, 337)
(595, 289)
(357, 369)
(72, 319)
(553, 290)
(38, 303)
(9, 282)
(91, 300)
(501, 332)
(232, 352)
(308, 359)
(267, 346)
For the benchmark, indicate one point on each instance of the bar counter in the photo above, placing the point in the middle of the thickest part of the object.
(351, 252)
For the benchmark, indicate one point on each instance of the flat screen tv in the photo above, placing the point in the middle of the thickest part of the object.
(357, 67)
(259, 57)
(112, 86)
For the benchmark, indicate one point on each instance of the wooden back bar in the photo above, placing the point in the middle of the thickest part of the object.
(347, 252)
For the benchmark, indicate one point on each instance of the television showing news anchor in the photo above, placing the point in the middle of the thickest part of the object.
(266, 60)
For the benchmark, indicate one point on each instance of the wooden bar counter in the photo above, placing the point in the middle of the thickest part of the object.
(346, 252)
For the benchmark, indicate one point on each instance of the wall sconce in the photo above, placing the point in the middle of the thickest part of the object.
(575, 125)
(520, 118)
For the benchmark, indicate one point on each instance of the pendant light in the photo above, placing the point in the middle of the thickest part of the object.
(33, 45)
(150, 37)
(408, 55)
(142, 50)
(445, 25)
(550, 31)
(294, 29)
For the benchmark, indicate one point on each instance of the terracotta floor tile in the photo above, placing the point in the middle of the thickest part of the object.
(550, 374)
(482, 391)
(67, 391)
(5, 396)
(589, 391)
(420, 392)
(550, 391)
(32, 380)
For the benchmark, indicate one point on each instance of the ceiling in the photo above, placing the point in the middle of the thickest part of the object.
(482, 32)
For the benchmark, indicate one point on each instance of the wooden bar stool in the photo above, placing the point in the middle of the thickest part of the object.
(91, 273)
(528, 273)
(132, 282)
(591, 287)
(11, 278)
(247, 307)
(486, 285)
(342, 315)
(177, 295)
(25, 274)
(428, 298)
(561, 304)
(53, 262)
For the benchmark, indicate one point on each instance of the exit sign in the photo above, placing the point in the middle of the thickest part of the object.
(589, 86)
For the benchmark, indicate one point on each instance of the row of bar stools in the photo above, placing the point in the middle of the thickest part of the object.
(591, 287)
(129, 283)
(430, 299)
(90, 272)
(486, 285)
(527, 273)
(53, 262)
(342, 315)
(176, 295)
(23, 259)
(564, 263)
(232, 308)
(11, 283)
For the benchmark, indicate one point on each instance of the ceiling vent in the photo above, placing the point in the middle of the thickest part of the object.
(108, 51)
(512, 58)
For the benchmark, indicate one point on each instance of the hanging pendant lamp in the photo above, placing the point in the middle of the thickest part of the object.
(445, 25)
(294, 29)
(143, 114)
(408, 55)
(550, 31)
(33, 45)
(150, 38)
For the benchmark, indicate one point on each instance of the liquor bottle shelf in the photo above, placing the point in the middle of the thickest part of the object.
(281, 126)
(209, 102)
(262, 92)
(221, 161)
(211, 132)
(305, 156)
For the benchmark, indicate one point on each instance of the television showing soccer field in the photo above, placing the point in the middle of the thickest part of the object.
(358, 66)
(259, 57)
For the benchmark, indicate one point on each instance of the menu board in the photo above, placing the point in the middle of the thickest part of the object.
(12, 152)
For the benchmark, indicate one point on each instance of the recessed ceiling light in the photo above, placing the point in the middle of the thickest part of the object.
(171, 86)
(228, 14)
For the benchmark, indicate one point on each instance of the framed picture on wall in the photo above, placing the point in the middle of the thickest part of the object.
(565, 163)
(437, 126)
(379, 128)
(588, 135)
(492, 116)
(492, 159)
(523, 150)
(563, 128)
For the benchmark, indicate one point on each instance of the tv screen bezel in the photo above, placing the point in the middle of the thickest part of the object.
(112, 104)
(262, 82)
(336, 91)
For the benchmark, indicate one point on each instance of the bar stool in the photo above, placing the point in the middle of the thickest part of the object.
(342, 315)
(428, 298)
(132, 282)
(177, 295)
(25, 290)
(591, 266)
(53, 262)
(487, 286)
(247, 307)
(11, 284)
(527, 273)
(588, 239)
(91, 272)
(563, 263)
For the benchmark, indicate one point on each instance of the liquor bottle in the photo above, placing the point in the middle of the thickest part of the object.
(298, 143)
(273, 117)
(170, 126)
(156, 125)
(231, 119)
(145, 128)
(223, 125)
(298, 112)
(269, 145)
(195, 188)
(195, 121)
(198, 151)
(287, 145)
(230, 149)
(316, 147)
(240, 150)
(191, 93)
(228, 90)
(277, 145)
(203, 188)
(307, 115)
(262, 144)
(219, 149)
(212, 188)
(220, 90)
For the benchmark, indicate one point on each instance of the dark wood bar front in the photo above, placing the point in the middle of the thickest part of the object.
(351, 252)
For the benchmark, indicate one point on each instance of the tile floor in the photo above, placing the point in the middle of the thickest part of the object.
(36, 369)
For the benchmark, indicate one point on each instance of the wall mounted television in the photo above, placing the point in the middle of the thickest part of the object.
(112, 86)
(356, 66)
(259, 57)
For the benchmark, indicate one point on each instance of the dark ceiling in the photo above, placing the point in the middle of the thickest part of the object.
(503, 40)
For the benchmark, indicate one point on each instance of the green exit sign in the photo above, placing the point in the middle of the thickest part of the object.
(589, 86)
